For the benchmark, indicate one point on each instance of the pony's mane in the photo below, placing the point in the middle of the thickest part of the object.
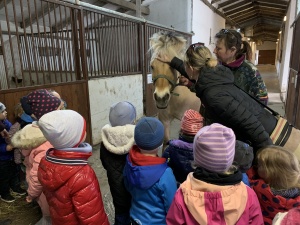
(167, 43)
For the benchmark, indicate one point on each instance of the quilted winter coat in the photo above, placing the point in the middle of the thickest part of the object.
(72, 191)
(34, 146)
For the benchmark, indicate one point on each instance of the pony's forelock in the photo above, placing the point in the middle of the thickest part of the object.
(167, 43)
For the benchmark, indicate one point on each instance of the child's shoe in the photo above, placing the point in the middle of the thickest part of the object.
(8, 198)
(19, 191)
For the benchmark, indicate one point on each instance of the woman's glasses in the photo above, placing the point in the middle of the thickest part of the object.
(194, 46)
(226, 31)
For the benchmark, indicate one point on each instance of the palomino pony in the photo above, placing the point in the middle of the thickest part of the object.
(171, 100)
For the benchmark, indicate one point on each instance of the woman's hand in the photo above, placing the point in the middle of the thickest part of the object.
(9, 148)
(4, 133)
(183, 81)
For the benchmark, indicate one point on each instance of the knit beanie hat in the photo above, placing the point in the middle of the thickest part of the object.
(41, 102)
(122, 113)
(63, 128)
(243, 156)
(2, 107)
(214, 148)
(149, 133)
(292, 217)
(191, 122)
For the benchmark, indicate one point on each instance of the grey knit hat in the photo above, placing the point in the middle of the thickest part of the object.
(122, 113)
(2, 107)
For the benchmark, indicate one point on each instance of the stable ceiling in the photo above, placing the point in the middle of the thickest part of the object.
(261, 20)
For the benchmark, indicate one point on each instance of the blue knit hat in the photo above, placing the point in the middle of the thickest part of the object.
(149, 133)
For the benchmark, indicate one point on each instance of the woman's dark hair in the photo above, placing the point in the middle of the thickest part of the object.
(232, 38)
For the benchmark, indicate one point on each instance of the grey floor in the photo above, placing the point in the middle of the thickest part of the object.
(269, 75)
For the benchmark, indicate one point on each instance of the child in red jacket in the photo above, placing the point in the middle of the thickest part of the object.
(69, 183)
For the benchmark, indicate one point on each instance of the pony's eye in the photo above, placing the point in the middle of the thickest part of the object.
(151, 67)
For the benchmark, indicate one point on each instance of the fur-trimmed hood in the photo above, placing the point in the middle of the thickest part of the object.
(119, 139)
(28, 138)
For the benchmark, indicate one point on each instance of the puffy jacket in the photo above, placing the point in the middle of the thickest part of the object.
(72, 189)
(198, 202)
(114, 148)
(179, 155)
(270, 204)
(34, 146)
(226, 104)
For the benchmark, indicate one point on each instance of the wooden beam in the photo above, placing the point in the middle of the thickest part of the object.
(243, 14)
(236, 11)
(257, 21)
(214, 1)
(128, 5)
(226, 4)
(279, 2)
(138, 8)
(238, 6)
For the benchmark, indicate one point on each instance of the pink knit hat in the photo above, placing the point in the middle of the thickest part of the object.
(191, 122)
(292, 217)
(214, 148)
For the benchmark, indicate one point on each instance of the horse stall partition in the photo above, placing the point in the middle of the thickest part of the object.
(293, 99)
(42, 47)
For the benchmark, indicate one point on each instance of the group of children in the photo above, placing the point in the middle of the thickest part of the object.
(204, 177)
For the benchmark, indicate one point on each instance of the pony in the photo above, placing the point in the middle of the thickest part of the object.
(171, 99)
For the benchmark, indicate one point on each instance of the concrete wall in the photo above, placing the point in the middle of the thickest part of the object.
(171, 13)
(188, 16)
(106, 91)
(284, 67)
(206, 24)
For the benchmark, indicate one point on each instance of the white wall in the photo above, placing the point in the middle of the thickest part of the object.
(286, 50)
(206, 24)
(188, 16)
(104, 92)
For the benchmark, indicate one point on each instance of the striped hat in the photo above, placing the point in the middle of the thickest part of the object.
(214, 148)
(191, 122)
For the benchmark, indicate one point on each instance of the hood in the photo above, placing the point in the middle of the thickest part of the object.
(219, 75)
(143, 177)
(119, 139)
(28, 138)
(198, 194)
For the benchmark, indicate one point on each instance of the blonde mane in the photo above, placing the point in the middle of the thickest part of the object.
(167, 43)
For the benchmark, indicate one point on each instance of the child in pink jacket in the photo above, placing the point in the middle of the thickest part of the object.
(214, 193)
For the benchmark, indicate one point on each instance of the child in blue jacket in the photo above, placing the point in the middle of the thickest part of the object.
(147, 177)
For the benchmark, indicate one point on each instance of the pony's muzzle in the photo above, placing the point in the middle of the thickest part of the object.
(162, 102)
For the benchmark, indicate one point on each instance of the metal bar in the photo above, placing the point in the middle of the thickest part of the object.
(89, 47)
(82, 45)
(63, 52)
(57, 49)
(70, 58)
(97, 36)
(4, 58)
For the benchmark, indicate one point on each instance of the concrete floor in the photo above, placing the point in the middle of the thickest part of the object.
(269, 75)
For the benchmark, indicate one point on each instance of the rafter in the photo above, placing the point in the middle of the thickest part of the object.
(237, 6)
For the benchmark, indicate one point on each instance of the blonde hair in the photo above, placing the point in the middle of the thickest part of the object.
(199, 57)
(281, 167)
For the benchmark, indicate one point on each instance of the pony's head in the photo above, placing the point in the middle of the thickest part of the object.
(164, 77)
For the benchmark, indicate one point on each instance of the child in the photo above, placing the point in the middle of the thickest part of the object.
(276, 181)
(212, 194)
(8, 176)
(147, 177)
(34, 146)
(180, 152)
(117, 140)
(35, 104)
(69, 183)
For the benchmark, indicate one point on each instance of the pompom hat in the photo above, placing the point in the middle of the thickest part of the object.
(122, 113)
(63, 128)
(191, 122)
(149, 133)
(41, 102)
(214, 148)
(2, 107)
